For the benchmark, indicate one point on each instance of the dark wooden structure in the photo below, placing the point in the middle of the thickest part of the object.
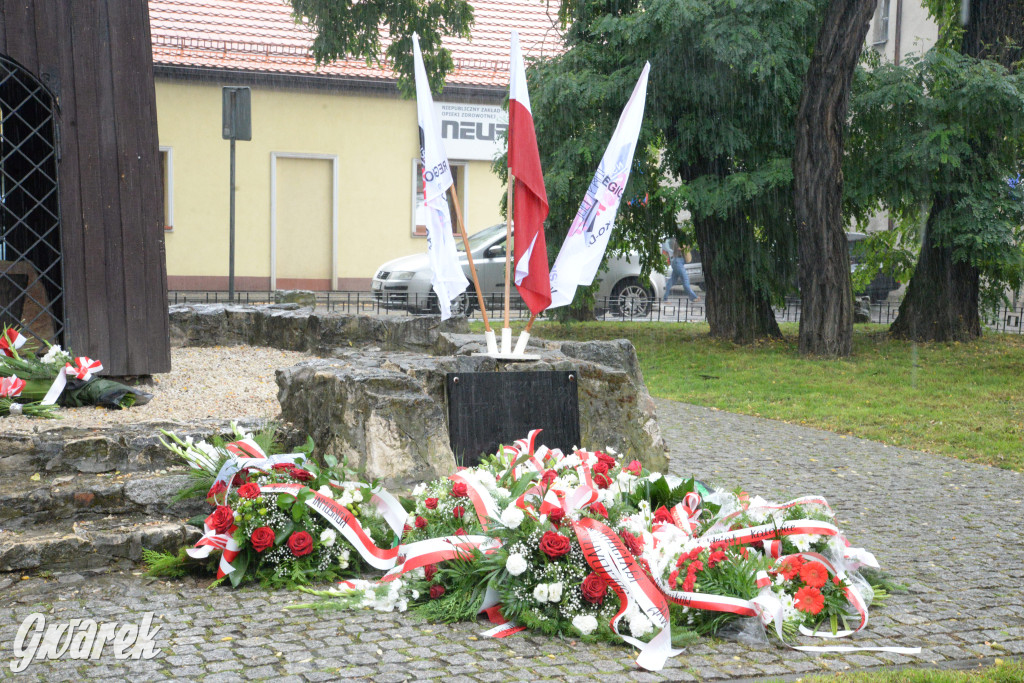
(94, 60)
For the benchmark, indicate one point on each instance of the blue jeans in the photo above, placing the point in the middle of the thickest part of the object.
(678, 275)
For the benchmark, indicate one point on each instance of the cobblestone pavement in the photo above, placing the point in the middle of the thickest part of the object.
(944, 528)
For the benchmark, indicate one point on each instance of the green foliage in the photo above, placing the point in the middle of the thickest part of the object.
(199, 483)
(166, 565)
(942, 124)
(354, 29)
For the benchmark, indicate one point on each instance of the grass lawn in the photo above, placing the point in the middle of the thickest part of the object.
(963, 400)
(1002, 672)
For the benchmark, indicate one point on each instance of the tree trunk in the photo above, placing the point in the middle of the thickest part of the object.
(941, 303)
(826, 318)
(736, 309)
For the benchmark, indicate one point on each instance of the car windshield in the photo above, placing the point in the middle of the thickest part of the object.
(481, 238)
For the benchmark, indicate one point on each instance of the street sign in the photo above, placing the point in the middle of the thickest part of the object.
(237, 113)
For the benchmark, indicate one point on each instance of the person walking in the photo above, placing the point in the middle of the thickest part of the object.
(676, 256)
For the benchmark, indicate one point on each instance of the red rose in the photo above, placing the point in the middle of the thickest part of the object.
(662, 515)
(301, 475)
(300, 543)
(239, 478)
(548, 477)
(459, 489)
(431, 503)
(554, 544)
(814, 574)
(216, 490)
(556, 516)
(428, 571)
(599, 509)
(633, 544)
(221, 519)
(460, 531)
(600, 468)
(594, 589)
(603, 481)
(283, 466)
(262, 538)
(809, 600)
(250, 490)
(606, 459)
(436, 591)
(634, 467)
(420, 522)
(458, 511)
(406, 529)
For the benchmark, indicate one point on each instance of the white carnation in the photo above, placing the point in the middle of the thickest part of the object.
(653, 477)
(540, 592)
(515, 564)
(639, 624)
(487, 479)
(555, 592)
(328, 537)
(502, 492)
(585, 624)
(512, 517)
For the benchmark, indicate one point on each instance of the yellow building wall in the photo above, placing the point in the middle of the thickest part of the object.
(375, 141)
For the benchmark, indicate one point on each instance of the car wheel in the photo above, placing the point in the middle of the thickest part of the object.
(631, 299)
(462, 305)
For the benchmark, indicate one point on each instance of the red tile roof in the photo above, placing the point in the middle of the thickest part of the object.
(262, 36)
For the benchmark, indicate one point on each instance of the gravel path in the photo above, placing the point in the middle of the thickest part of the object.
(219, 382)
(944, 528)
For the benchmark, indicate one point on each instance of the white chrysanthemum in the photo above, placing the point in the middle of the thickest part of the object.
(585, 624)
(419, 489)
(357, 496)
(540, 592)
(639, 624)
(789, 609)
(515, 564)
(571, 461)
(512, 517)
(568, 480)
(328, 537)
(653, 477)
(54, 356)
(555, 592)
(803, 541)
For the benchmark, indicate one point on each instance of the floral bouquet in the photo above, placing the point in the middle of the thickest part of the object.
(58, 377)
(592, 546)
(281, 518)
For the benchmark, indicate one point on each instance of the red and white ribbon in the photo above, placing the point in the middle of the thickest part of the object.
(431, 551)
(11, 386)
(211, 541)
(83, 369)
(338, 516)
(245, 448)
(609, 558)
(10, 341)
(483, 502)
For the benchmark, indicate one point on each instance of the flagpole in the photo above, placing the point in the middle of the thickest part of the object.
(469, 256)
(508, 266)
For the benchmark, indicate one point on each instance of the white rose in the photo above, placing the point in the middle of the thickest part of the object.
(555, 592)
(515, 564)
(540, 592)
(585, 624)
(325, 490)
(512, 517)
(357, 496)
(328, 537)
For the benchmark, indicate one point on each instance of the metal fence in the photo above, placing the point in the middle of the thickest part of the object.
(676, 310)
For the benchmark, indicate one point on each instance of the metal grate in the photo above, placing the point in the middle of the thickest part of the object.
(31, 275)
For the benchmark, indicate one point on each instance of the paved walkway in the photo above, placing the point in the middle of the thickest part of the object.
(944, 528)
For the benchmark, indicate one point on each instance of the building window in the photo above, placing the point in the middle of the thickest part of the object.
(167, 182)
(881, 22)
(419, 226)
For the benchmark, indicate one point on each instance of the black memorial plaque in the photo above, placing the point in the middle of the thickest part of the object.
(487, 409)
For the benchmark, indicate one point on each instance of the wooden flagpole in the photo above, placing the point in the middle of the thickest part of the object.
(530, 324)
(469, 256)
(508, 246)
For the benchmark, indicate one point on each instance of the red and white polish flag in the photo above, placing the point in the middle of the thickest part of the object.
(531, 200)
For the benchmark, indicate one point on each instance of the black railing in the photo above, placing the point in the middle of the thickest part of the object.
(676, 309)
